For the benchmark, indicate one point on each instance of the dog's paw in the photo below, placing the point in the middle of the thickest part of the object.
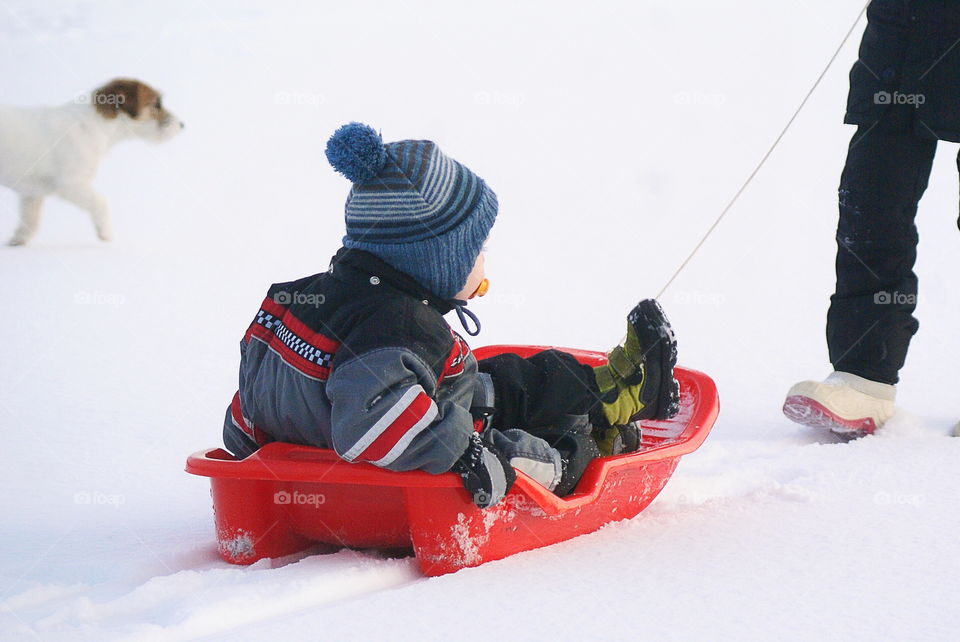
(16, 242)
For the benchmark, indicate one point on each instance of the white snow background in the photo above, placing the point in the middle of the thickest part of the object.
(613, 134)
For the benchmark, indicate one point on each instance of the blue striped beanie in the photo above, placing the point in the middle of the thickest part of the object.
(414, 207)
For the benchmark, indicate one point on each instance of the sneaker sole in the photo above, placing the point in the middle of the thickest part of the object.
(809, 412)
(655, 333)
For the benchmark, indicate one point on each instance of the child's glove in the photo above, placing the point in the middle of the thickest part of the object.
(486, 473)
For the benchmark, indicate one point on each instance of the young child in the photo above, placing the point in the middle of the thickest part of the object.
(360, 359)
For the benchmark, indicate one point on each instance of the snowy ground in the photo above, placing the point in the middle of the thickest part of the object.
(613, 135)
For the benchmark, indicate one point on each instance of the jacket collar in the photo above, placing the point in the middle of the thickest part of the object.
(360, 266)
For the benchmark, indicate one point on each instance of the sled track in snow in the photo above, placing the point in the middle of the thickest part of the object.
(190, 604)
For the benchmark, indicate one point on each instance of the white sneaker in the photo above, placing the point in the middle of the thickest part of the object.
(849, 405)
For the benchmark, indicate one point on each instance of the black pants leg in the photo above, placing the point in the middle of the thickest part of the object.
(871, 322)
(539, 391)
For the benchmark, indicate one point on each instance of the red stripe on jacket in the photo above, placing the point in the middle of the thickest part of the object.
(254, 433)
(411, 415)
(454, 363)
(314, 339)
(274, 342)
(298, 327)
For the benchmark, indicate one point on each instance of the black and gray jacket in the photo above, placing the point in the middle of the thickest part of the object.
(358, 359)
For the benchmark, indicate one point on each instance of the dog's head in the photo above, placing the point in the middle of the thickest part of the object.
(140, 106)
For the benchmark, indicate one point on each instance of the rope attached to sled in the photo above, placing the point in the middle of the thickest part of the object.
(765, 156)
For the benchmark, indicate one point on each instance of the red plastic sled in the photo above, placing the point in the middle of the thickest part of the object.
(287, 498)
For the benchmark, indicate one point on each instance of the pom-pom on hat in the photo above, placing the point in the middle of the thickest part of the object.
(414, 207)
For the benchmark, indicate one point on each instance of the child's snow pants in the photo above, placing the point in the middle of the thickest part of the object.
(541, 391)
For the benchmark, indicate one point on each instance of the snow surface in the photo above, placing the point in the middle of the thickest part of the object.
(613, 134)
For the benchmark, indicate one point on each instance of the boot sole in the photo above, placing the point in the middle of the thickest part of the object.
(656, 335)
(809, 412)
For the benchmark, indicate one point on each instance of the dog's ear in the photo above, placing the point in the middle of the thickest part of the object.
(123, 94)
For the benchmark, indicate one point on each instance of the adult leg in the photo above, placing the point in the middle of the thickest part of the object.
(958, 222)
(30, 209)
(870, 321)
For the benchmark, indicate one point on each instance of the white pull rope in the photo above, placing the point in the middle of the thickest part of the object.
(765, 156)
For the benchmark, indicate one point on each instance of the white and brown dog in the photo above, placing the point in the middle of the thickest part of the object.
(56, 150)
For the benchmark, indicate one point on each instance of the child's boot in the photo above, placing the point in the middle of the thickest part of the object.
(617, 440)
(637, 381)
(845, 403)
(572, 439)
(576, 450)
(486, 473)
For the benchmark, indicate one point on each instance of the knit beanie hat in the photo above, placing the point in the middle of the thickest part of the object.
(422, 212)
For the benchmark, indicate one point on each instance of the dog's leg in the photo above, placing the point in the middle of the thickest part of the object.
(85, 198)
(30, 207)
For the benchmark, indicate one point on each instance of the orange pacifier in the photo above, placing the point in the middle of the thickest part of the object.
(482, 289)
